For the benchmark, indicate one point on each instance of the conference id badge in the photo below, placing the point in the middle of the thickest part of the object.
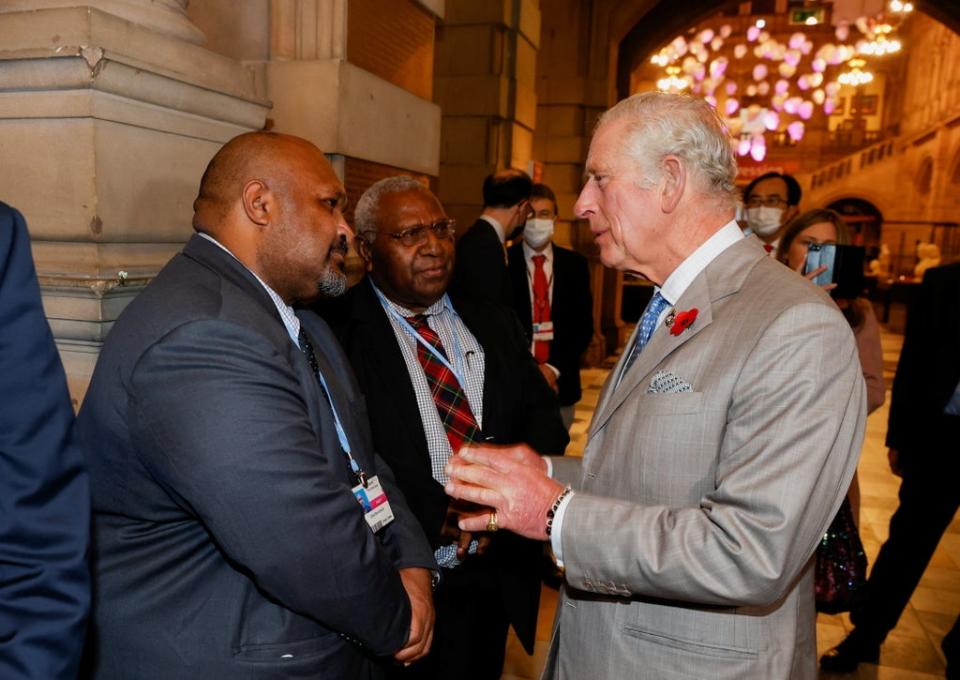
(543, 331)
(373, 500)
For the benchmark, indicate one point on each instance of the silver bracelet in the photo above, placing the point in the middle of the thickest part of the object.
(551, 513)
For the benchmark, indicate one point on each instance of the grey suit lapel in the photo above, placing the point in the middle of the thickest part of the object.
(721, 278)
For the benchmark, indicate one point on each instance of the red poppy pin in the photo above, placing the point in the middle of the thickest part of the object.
(683, 320)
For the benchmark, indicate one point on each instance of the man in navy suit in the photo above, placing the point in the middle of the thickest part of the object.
(229, 445)
(44, 496)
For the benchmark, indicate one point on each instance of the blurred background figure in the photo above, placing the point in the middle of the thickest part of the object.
(551, 293)
(44, 493)
(481, 269)
(770, 202)
(922, 434)
(823, 227)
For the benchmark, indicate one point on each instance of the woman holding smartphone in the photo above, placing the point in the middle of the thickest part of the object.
(827, 227)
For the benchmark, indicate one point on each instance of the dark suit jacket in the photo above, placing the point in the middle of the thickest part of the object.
(481, 268)
(228, 543)
(928, 371)
(571, 311)
(518, 406)
(44, 494)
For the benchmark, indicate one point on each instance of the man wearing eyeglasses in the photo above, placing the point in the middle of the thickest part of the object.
(440, 371)
(771, 201)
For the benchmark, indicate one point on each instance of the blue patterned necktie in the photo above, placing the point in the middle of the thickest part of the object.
(648, 322)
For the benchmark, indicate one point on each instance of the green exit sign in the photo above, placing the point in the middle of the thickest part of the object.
(807, 16)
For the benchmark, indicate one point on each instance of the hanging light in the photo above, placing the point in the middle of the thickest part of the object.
(673, 83)
(856, 76)
(900, 7)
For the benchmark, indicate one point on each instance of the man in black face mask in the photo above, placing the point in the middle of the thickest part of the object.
(771, 201)
(481, 270)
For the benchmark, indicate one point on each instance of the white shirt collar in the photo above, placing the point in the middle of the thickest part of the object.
(681, 278)
(287, 315)
(441, 305)
(497, 227)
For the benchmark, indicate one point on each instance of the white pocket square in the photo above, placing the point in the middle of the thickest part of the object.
(668, 383)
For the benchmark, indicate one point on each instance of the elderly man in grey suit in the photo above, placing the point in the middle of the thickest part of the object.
(723, 441)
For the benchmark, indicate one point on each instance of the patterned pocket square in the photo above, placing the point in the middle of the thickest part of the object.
(668, 383)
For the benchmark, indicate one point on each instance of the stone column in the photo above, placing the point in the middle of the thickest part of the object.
(485, 70)
(109, 112)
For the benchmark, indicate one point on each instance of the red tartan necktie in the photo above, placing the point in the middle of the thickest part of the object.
(541, 306)
(452, 405)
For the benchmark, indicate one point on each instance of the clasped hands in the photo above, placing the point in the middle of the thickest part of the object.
(512, 480)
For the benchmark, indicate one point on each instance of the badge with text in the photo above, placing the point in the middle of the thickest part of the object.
(543, 331)
(373, 500)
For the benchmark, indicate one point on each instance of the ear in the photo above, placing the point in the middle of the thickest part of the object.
(364, 251)
(674, 181)
(258, 201)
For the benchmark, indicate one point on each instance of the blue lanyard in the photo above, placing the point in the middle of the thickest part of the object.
(412, 332)
(338, 425)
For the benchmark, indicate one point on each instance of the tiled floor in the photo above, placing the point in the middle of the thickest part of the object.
(912, 651)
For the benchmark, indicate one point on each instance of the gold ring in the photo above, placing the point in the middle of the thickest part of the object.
(492, 522)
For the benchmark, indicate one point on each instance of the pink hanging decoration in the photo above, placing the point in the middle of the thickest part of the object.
(796, 40)
(743, 147)
(805, 109)
(795, 130)
(731, 86)
(731, 106)
(759, 72)
(771, 120)
(740, 51)
(819, 65)
(781, 86)
(758, 150)
(819, 96)
(753, 33)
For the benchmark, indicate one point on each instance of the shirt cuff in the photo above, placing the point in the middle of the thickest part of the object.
(556, 371)
(556, 531)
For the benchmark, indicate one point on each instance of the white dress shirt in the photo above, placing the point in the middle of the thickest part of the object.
(673, 288)
(468, 362)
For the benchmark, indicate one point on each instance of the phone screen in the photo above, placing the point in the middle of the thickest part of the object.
(820, 255)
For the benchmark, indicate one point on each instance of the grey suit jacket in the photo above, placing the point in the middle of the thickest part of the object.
(688, 545)
(227, 541)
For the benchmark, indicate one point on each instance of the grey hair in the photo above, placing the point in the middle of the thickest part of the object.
(661, 124)
(368, 207)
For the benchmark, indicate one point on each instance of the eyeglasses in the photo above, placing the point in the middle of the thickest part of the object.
(417, 235)
(765, 201)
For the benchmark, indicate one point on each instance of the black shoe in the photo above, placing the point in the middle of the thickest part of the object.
(845, 657)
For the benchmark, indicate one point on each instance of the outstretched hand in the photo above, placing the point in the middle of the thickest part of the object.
(512, 480)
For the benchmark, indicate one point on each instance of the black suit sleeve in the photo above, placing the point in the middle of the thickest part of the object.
(220, 421)
(929, 368)
(44, 493)
(582, 303)
(480, 271)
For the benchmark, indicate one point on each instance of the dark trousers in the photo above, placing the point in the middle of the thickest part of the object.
(929, 496)
(470, 634)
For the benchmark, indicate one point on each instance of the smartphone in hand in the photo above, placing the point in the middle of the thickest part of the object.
(844, 267)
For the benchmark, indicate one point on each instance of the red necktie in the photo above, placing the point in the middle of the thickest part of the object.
(768, 247)
(451, 402)
(541, 306)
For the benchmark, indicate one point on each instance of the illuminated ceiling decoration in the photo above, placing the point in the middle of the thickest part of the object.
(781, 83)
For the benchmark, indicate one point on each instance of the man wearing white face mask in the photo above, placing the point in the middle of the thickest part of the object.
(551, 292)
(771, 201)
